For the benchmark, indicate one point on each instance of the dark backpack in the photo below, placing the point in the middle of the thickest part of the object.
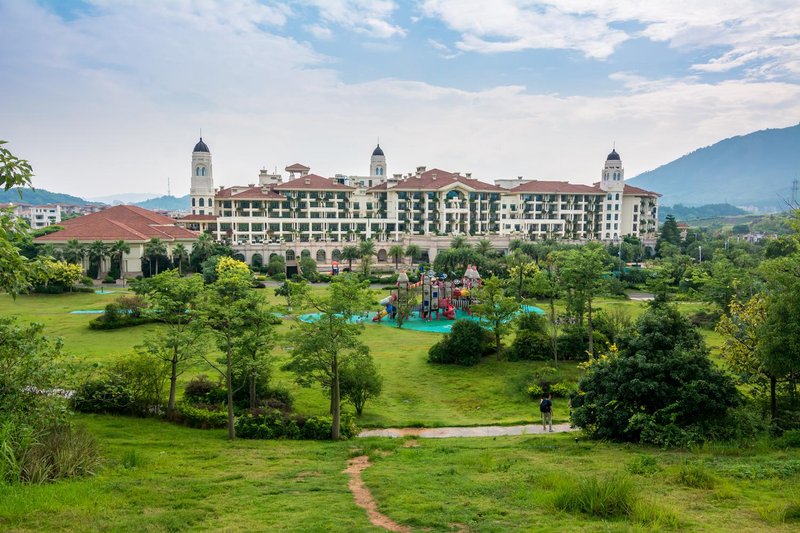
(546, 406)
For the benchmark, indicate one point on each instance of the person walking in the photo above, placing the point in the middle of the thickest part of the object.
(546, 408)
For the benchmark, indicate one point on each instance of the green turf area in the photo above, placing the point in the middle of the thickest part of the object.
(161, 477)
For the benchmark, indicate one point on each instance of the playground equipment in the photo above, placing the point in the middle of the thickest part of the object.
(438, 295)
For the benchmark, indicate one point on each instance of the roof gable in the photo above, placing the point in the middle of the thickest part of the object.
(312, 182)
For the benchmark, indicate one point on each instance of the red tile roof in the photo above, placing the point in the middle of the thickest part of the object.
(297, 167)
(556, 187)
(312, 182)
(121, 222)
(435, 179)
(630, 189)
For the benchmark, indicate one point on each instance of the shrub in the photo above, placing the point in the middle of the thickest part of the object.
(101, 395)
(705, 319)
(280, 276)
(643, 465)
(202, 416)
(274, 424)
(125, 312)
(359, 381)
(532, 343)
(789, 439)
(466, 344)
(696, 476)
(109, 279)
(573, 343)
(202, 390)
(604, 497)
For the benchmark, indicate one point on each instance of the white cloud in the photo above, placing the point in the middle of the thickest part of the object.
(760, 34)
(367, 17)
(112, 102)
(320, 32)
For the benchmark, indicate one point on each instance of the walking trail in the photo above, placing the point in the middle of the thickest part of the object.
(477, 431)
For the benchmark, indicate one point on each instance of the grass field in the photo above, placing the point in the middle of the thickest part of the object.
(160, 477)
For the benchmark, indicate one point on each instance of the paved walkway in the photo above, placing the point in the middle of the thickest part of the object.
(478, 431)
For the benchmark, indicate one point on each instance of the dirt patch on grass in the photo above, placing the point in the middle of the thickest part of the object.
(411, 443)
(363, 496)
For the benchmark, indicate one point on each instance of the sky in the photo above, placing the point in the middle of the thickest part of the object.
(110, 96)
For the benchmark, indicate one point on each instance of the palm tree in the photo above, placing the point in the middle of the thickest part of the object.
(366, 250)
(74, 252)
(118, 249)
(349, 253)
(98, 251)
(179, 253)
(203, 248)
(413, 252)
(397, 252)
(153, 249)
(484, 248)
(48, 250)
(459, 241)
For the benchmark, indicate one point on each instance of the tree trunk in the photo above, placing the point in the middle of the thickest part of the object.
(773, 400)
(335, 400)
(519, 294)
(591, 326)
(555, 328)
(173, 381)
(253, 399)
(229, 383)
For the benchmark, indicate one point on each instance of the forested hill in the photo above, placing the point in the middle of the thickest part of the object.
(167, 203)
(682, 212)
(755, 170)
(39, 197)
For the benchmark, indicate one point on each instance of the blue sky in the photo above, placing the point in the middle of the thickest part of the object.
(108, 96)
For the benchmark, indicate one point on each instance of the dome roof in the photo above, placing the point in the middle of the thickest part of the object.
(377, 151)
(613, 156)
(201, 146)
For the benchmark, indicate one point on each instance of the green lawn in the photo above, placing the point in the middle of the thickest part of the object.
(161, 477)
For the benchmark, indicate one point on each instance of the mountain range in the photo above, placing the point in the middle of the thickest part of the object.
(753, 171)
(43, 197)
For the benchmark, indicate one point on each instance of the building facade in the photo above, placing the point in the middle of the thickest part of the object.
(313, 215)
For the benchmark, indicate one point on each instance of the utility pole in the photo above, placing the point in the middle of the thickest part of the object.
(700, 248)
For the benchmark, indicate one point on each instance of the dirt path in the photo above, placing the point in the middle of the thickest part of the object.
(478, 431)
(363, 496)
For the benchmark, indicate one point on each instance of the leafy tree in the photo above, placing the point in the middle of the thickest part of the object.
(253, 349)
(295, 292)
(403, 307)
(413, 252)
(154, 249)
(520, 268)
(366, 251)
(229, 308)
(670, 232)
(98, 251)
(532, 341)
(661, 387)
(49, 273)
(349, 253)
(359, 380)
(397, 252)
(276, 265)
(321, 347)
(202, 249)
(14, 172)
(495, 308)
(117, 251)
(465, 345)
(175, 299)
(179, 255)
(780, 247)
(308, 268)
(581, 271)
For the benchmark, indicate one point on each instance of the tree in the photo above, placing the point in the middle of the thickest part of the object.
(175, 299)
(581, 271)
(45, 272)
(74, 252)
(98, 251)
(359, 380)
(154, 249)
(520, 268)
(465, 345)
(252, 350)
(202, 249)
(295, 292)
(495, 308)
(413, 252)
(319, 348)
(459, 241)
(308, 268)
(117, 251)
(228, 309)
(397, 252)
(14, 172)
(485, 248)
(366, 251)
(348, 254)
(670, 232)
(660, 387)
(179, 255)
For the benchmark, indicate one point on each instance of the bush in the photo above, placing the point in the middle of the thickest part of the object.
(274, 424)
(280, 276)
(466, 344)
(573, 343)
(696, 476)
(101, 395)
(202, 390)
(604, 497)
(643, 465)
(202, 416)
(125, 312)
(109, 279)
(789, 439)
(660, 388)
(532, 343)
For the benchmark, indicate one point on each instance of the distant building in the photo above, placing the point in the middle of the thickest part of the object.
(38, 216)
(132, 224)
(308, 214)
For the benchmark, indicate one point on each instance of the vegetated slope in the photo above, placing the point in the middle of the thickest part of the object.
(682, 212)
(39, 197)
(756, 170)
(167, 203)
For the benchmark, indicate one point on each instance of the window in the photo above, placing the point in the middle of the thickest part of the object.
(608, 216)
(617, 196)
(193, 204)
(200, 171)
(616, 216)
(636, 209)
(608, 197)
(616, 207)
(201, 203)
(608, 225)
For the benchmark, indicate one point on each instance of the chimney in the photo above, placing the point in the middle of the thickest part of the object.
(420, 170)
(433, 176)
(468, 175)
(307, 181)
(519, 177)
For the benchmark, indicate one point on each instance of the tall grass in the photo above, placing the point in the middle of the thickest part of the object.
(604, 497)
(697, 476)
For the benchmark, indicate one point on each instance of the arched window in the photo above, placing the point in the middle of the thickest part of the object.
(617, 197)
(201, 203)
(290, 255)
(193, 204)
(201, 171)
